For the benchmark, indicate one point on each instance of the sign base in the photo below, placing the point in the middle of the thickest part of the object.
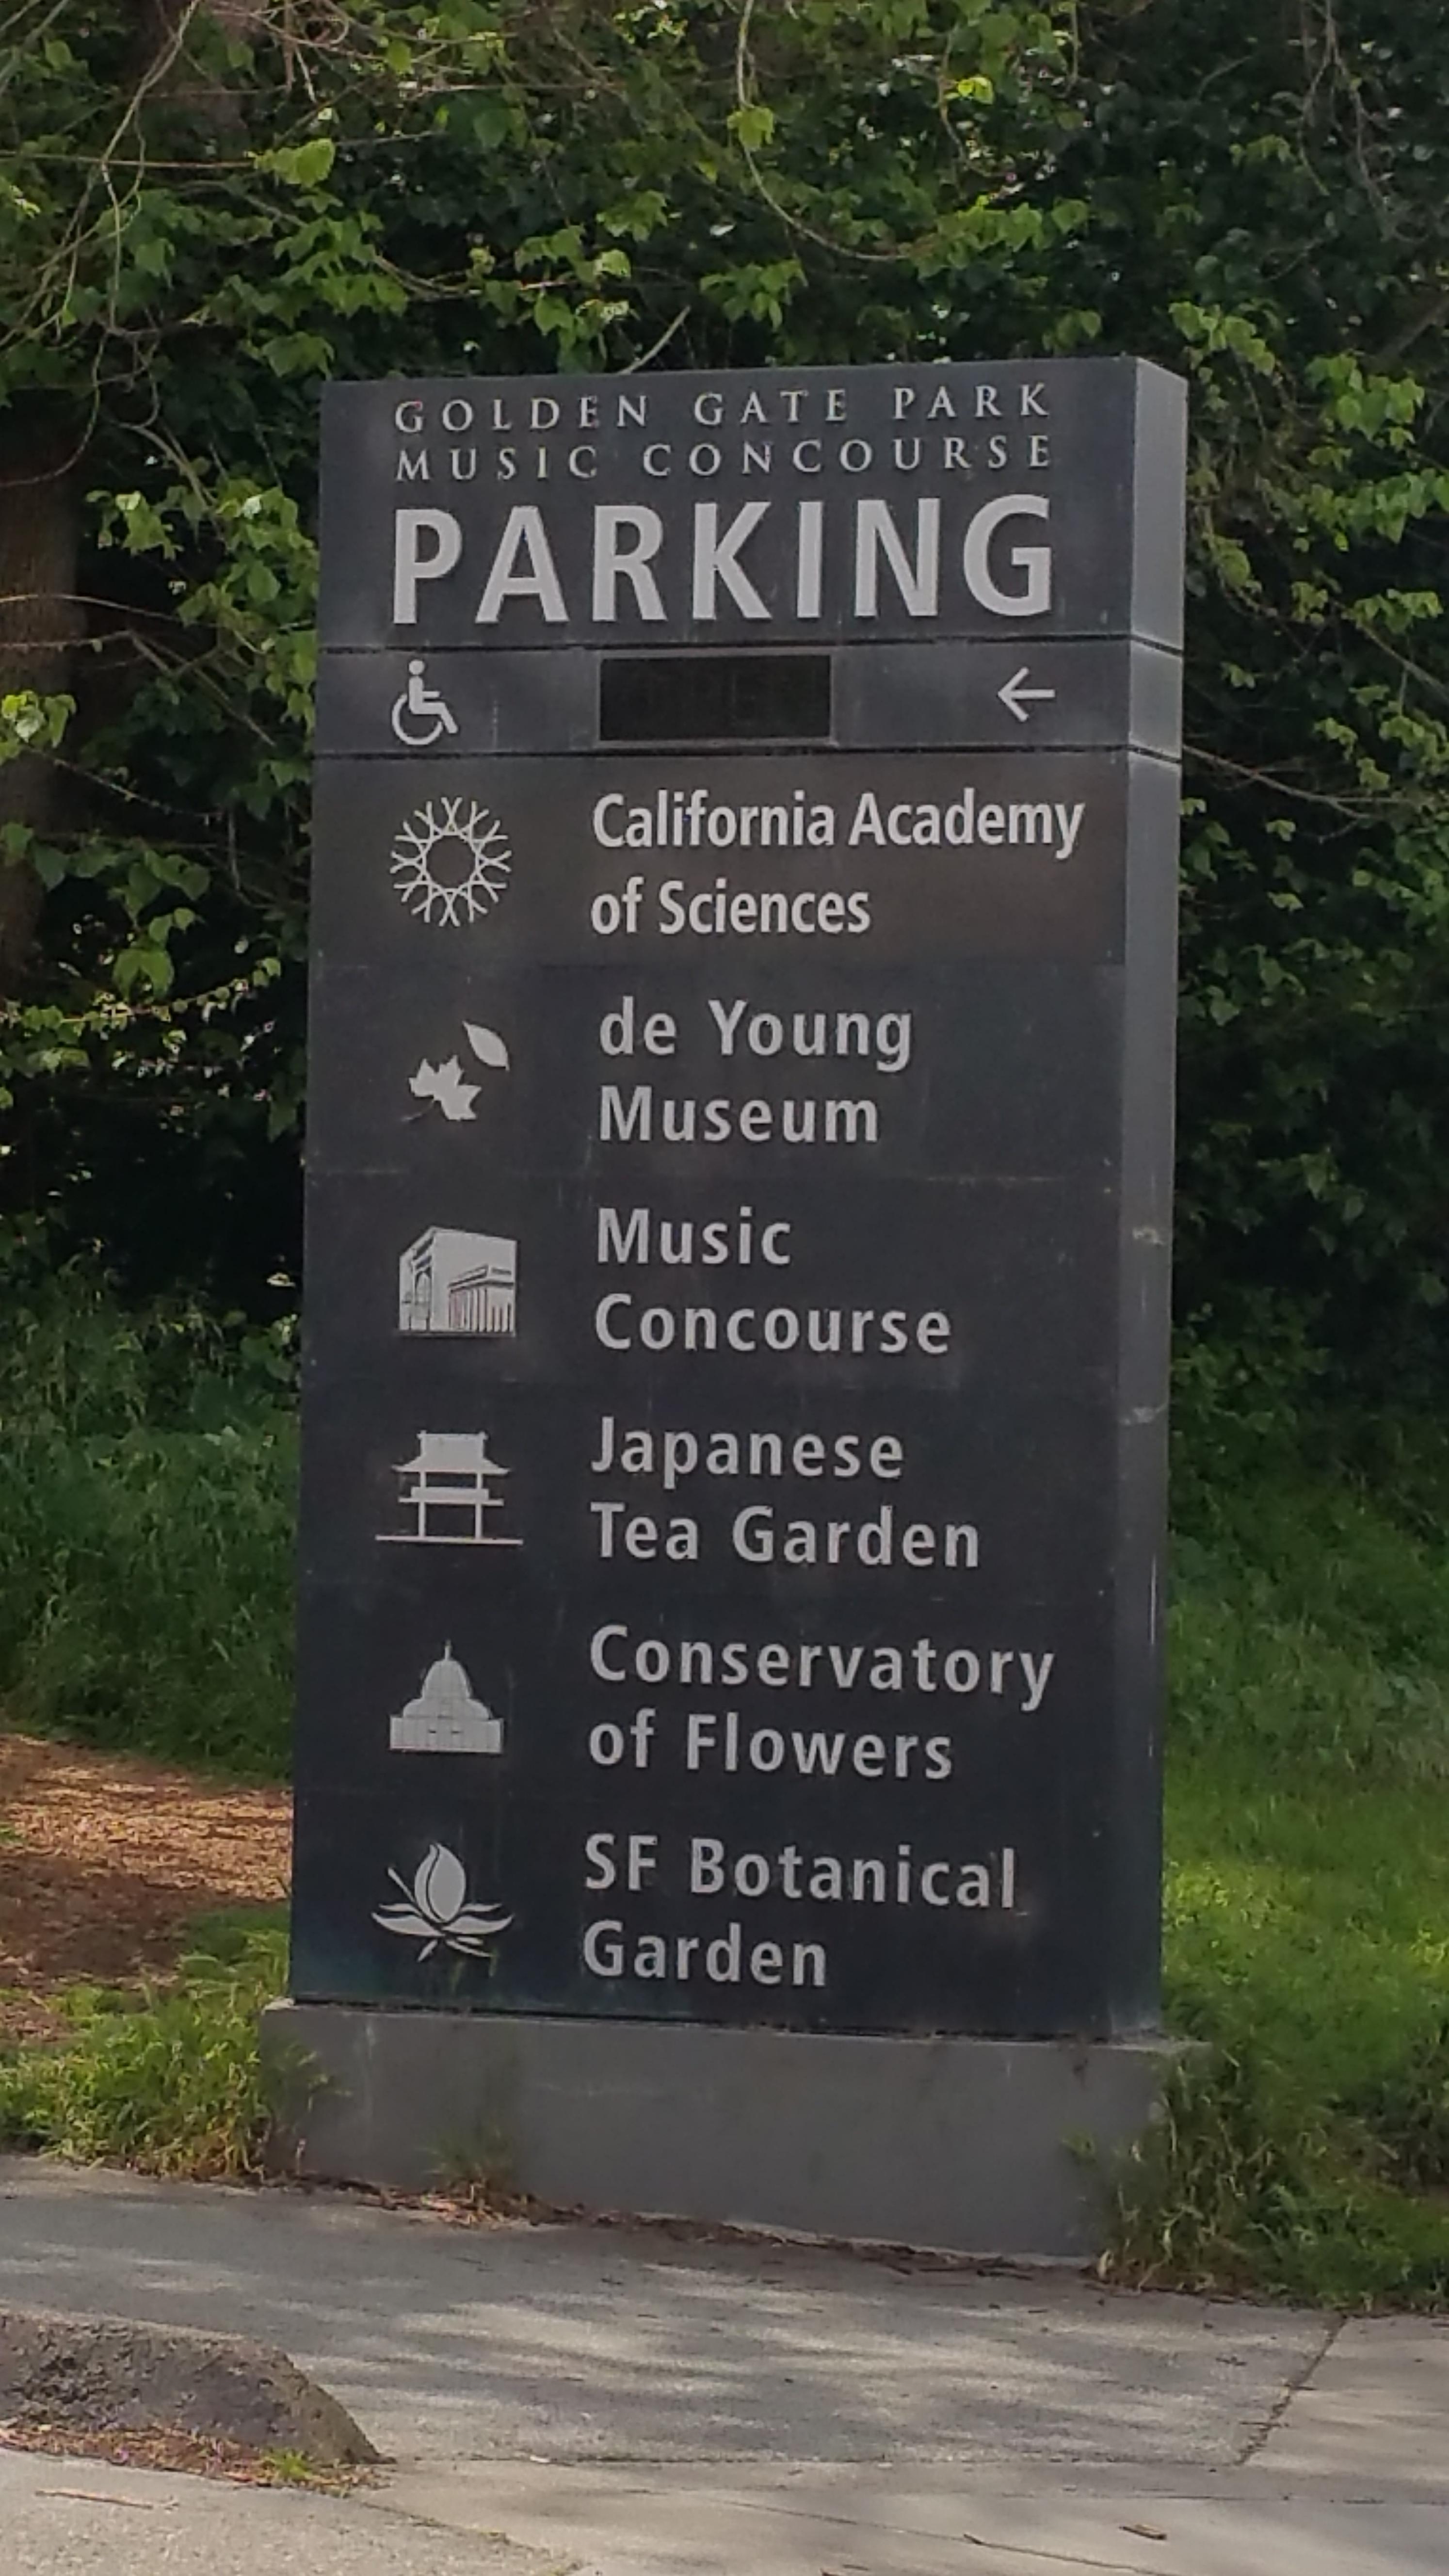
(970, 2146)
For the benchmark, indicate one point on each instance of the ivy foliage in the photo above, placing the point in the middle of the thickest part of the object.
(207, 206)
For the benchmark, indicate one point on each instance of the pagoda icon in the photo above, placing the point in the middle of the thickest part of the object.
(446, 1490)
(445, 1717)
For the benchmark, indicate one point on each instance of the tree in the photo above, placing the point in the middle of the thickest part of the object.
(1266, 199)
(201, 220)
(198, 223)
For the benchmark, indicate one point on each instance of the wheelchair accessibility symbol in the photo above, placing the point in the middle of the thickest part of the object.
(421, 716)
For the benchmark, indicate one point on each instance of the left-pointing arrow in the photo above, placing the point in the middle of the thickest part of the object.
(1014, 694)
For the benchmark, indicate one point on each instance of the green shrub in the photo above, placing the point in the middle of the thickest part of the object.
(146, 1531)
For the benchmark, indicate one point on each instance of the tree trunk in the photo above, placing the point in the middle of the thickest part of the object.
(40, 622)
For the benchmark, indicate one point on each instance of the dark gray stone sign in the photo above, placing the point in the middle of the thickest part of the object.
(739, 1161)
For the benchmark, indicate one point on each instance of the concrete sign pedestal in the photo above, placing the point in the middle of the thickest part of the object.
(969, 2146)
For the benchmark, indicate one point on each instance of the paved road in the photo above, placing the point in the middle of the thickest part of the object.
(642, 2407)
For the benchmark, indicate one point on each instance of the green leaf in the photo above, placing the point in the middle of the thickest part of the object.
(301, 165)
(753, 126)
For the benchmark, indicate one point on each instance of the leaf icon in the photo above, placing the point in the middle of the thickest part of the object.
(444, 1083)
(440, 1888)
(487, 1045)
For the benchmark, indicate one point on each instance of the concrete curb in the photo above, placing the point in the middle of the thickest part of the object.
(105, 2374)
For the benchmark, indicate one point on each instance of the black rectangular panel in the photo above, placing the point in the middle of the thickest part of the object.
(714, 697)
(739, 1203)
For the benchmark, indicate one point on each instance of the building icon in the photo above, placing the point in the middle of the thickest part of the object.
(451, 1282)
(445, 1492)
(445, 1717)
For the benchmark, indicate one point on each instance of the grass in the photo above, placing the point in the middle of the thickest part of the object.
(145, 1600)
(1307, 1899)
(168, 2080)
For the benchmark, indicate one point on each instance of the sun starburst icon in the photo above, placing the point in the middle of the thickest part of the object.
(475, 872)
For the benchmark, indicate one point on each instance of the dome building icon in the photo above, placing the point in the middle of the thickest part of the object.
(445, 1717)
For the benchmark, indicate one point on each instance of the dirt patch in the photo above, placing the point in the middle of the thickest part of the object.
(104, 1860)
(191, 2453)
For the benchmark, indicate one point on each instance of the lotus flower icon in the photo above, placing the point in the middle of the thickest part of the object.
(436, 1910)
